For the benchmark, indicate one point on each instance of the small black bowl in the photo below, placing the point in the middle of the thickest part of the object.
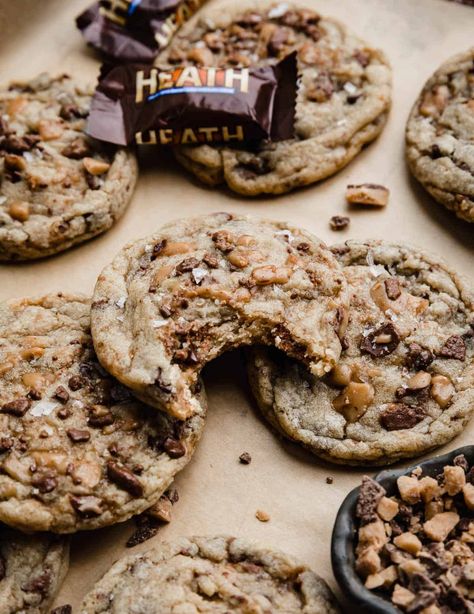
(345, 527)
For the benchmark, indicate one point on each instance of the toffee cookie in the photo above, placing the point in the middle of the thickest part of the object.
(405, 381)
(57, 186)
(440, 135)
(171, 302)
(343, 99)
(77, 451)
(32, 568)
(210, 574)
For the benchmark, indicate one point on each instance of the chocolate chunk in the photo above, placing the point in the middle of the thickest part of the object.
(93, 181)
(172, 495)
(245, 458)
(461, 461)
(40, 584)
(381, 342)
(124, 478)
(71, 111)
(99, 416)
(321, 89)
(223, 241)
(418, 358)
(78, 435)
(45, 480)
(369, 496)
(392, 288)
(61, 394)
(18, 407)
(174, 448)
(64, 413)
(77, 149)
(211, 261)
(76, 382)
(454, 347)
(147, 527)
(62, 609)
(6, 443)
(420, 602)
(19, 144)
(329, 480)
(86, 506)
(157, 249)
(186, 265)
(400, 416)
(254, 166)
(339, 222)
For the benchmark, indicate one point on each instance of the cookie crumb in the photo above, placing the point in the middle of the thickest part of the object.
(339, 222)
(367, 194)
(245, 458)
(329, 480)
(262, 516)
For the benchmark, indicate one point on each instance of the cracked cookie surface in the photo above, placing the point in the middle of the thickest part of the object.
(343, 99)
(405, 381)
(210, 574)
(32, 568)
(77, 450)
(171, 302)
(440, 135)
(57, 187)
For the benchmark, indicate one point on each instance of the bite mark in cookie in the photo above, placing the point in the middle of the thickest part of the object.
(170, 303)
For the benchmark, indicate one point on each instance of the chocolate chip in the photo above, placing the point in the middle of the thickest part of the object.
(418, 358)
(254, 166)
(381, 341)
(245, 458)
(6, 443)
(86, 506)
(186, 265)
(124, 478)
(76, 382)
(61, 394)
(454, 347)
(40, 584)
(18, 407)
(45, 480)
(461, 461)
(400, 416)
(339, 222)
(172, 495)
(62, 609)
(369, 496)
(78, 435)
(329, 480)
(211, 261)
(64, 413)
(99, 416)
(174, 448)
(77, 149)
(158, 248)
(147, 527)
(19, 144)
(392, 288)
(34, 395)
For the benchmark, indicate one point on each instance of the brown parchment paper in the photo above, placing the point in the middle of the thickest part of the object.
(217, 494)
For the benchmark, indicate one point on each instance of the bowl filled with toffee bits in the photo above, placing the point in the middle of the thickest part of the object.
(404, 540)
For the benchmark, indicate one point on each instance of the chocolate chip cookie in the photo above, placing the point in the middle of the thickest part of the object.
(77, 451)
(210, 574)
(405, 381)
(171, 302)
(32, 568)
(440, 135)
(57, 186)
(343, 100)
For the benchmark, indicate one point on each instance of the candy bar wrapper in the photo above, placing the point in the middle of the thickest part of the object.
(189, 105)
(134, 30)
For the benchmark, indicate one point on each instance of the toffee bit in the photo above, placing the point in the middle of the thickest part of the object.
(367, 194)
(262, 516)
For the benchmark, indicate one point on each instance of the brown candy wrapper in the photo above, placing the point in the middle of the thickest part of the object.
(189, 105)
(134, 30)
